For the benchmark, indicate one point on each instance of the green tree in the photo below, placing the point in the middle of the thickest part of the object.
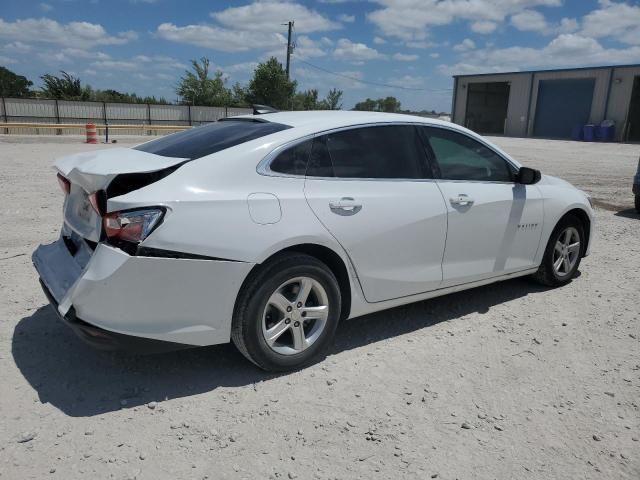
(239, 95)
(333, 100)
(13, 85)
(66, 87)
(270, 86)
(368, 105)
(307, 100)
(388, 104)
(198, 88)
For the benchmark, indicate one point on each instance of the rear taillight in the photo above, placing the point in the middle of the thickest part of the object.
(132, 226)
(65, 184)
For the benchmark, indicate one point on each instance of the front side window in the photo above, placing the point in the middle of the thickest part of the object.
(460, 157)
(388, 152)
(201, 141)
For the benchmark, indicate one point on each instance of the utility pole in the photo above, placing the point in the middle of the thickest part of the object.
(289, 48)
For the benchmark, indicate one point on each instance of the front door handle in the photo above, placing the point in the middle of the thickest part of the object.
(462, 200)
(345, 206)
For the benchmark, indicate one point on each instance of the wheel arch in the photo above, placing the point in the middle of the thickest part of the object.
(584, 218)
(326, 255)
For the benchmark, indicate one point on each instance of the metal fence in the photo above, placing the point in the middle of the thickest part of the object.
(33, 110)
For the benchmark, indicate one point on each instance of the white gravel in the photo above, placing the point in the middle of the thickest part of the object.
(505, 381)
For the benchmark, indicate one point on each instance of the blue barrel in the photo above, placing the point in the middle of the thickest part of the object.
(589, 133)
(576, 133)
(605, 134)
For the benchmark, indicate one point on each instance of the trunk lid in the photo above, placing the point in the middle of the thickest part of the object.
(90, 172)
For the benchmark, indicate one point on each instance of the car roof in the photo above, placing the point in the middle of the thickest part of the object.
(329, 119)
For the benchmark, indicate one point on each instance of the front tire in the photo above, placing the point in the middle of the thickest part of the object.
(563, 253)
(287, 313)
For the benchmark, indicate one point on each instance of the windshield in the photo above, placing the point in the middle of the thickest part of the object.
(201, 141)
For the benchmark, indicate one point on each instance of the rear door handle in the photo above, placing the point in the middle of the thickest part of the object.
(462, 200)
(345, 206)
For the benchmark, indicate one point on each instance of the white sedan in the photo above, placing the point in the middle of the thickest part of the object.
(268, 230)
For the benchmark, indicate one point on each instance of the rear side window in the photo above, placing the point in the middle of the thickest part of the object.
(460, 157)
(201, 141)
(293, 160)
(392, 151)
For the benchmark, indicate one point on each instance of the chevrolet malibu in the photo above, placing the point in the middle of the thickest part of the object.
(268, 230)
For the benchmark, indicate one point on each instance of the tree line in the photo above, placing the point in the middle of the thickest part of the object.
(198, 86)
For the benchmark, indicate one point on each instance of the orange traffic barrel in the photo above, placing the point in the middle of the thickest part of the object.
(92, 133)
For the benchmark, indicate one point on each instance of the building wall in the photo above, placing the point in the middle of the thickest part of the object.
(518, 95)
(598, 103)
(611, 96)
(620, 97)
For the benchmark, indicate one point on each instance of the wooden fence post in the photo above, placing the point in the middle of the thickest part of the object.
(189, 107)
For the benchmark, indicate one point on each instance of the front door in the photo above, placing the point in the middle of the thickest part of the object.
(369, 188)
(494, 224)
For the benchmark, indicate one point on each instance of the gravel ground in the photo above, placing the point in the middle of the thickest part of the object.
(504, 381)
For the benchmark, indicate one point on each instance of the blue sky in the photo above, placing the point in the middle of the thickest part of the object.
(144, 46)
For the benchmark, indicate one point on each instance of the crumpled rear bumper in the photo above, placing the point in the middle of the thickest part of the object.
(108, 293)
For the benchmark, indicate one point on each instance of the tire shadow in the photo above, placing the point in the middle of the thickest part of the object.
(81, 381)
(628, 213)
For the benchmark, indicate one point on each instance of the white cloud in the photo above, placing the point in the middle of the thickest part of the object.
(410, 20)
(258, 25)
(484, 27)
(7, 60)
(45, 7)
(566, 50)
(346, 18)
(434, 55)
(379, 40)
(406, 81)
(619, 21)
(529, 21)
(466, 44)
(405, 57)
(568, 25)
(308, 48)
(216, 38)
(355, 52)
(268, 15)
(72, 34)
(17, 47)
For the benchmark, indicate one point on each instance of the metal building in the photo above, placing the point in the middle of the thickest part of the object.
(549, 103)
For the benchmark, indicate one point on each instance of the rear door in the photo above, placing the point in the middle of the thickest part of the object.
(370, 188)
(494, 223)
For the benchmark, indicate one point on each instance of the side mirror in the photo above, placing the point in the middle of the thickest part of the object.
(528, 176)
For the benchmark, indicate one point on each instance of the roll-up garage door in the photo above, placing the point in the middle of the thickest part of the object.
(562, 105)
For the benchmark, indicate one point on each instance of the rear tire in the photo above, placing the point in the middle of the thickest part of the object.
(563, 253)
(287, 313)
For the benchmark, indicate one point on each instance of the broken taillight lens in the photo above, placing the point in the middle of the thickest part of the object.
(132, 226)
(65, 184)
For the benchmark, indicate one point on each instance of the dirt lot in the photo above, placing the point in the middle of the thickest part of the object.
(505, 381)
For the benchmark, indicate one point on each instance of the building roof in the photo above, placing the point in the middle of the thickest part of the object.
(528, 72)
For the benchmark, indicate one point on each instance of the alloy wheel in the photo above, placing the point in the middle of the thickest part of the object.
(566, 252)
(295, 315)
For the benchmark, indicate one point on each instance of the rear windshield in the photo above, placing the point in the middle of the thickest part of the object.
(201, 141)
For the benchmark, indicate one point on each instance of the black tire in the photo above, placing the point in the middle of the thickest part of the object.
(246, 329)
(638, 203)
(546, 274)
